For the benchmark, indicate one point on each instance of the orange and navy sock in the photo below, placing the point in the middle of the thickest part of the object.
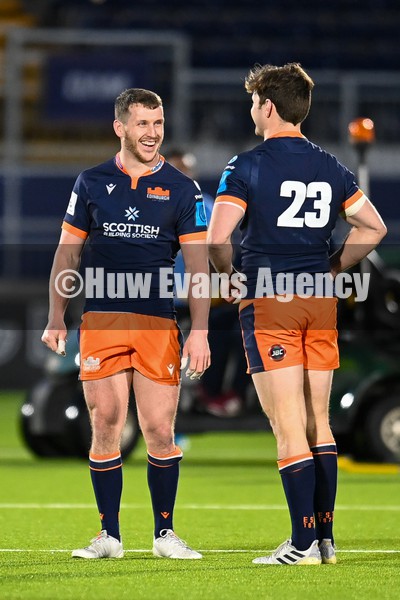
(326, 469)
(162, 478)
(106, 473)
(298, 479)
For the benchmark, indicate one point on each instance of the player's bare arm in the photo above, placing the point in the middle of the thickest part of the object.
(196, 351)
(224, 220)
(66, 259)
(367, 231)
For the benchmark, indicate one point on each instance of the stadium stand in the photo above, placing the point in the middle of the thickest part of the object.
(12, 14)
(342, 34)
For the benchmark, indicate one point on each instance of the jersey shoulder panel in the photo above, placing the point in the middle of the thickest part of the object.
(235, 180)
(186, 186)
(77, 218)
(345, 180)
(191, 220)
(105, 169)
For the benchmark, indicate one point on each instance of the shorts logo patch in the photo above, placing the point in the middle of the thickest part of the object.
(91, 365)
(277, 352)
(171, 369)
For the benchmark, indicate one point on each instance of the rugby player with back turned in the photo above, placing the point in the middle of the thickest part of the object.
(287, 193)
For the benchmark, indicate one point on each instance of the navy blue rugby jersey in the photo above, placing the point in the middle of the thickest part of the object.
(133, 226)
(291, 193)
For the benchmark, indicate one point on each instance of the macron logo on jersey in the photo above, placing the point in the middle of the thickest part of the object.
(158, 194)
(110, 187)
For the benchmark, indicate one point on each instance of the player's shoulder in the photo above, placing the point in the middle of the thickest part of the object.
(330, 158)
(174, 175)
(185, 187)
(331, 164)
(241, 161)
(104, 169)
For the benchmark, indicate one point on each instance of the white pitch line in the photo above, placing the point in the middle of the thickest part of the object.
(224, 551)
(236, 507)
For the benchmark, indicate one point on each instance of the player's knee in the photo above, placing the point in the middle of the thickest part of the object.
(160, 434)
(105, 419)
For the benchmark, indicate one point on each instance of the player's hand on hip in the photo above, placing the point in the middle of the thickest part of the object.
(196, 354)
(55, 337)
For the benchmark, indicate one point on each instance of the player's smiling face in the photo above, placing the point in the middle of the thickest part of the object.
(143, 133)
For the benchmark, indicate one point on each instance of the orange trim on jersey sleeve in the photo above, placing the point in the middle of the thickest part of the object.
(192, 237)
(350, 201)
(232, 200)
(74, 230)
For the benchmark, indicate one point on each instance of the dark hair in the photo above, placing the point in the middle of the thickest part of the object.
(288, 87)
(134, 96)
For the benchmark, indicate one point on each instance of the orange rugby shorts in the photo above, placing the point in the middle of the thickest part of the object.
(284, 334)
(113, 342)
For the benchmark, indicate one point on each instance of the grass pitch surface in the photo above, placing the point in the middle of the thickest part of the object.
(230, 506)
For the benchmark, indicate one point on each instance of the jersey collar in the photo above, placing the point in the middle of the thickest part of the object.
(134, 180)
(297, 134)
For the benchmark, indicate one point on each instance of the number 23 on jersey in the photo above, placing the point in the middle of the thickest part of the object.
(320, 191)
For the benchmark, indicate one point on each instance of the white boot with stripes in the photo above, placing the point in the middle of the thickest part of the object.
(287, 554)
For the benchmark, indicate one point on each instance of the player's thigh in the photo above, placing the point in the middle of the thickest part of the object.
(272, 334)
(156, 403)
(104, 344)
(155, 348)
(281, 396)
(107, 398)
(320, 337)
(317, 389)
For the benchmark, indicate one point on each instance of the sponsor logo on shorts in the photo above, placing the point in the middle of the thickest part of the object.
(91, 364)
(277, 352)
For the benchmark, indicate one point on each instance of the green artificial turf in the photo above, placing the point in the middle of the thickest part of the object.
(230, 506)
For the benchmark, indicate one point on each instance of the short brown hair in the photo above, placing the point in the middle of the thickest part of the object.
(135, 96)
(288, 87)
